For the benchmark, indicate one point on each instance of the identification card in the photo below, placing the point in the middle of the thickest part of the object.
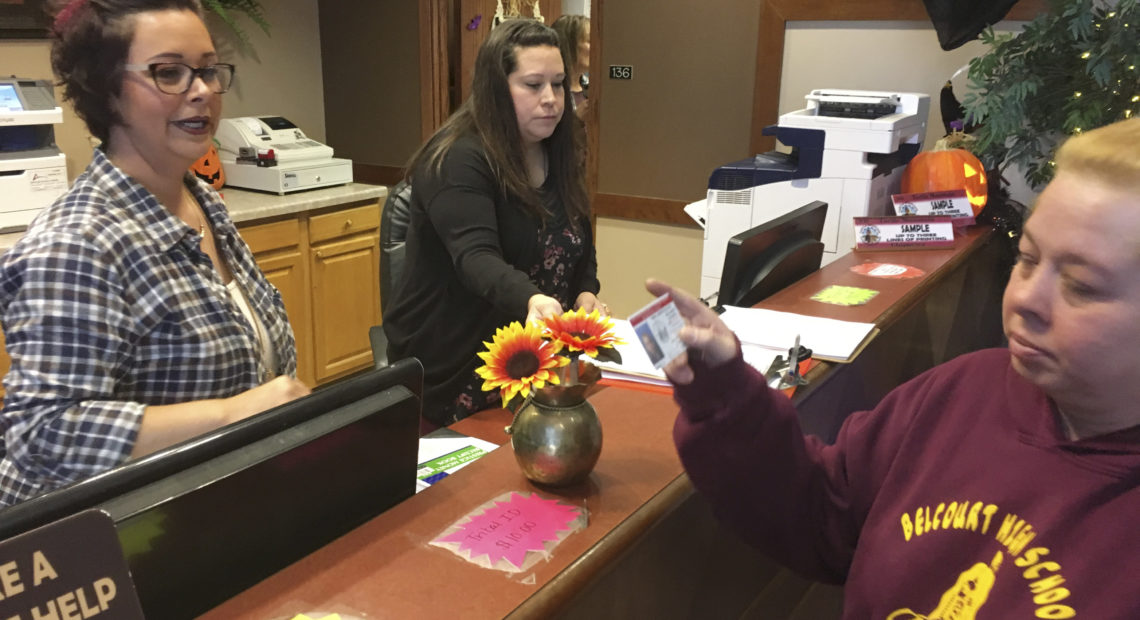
(658, 328)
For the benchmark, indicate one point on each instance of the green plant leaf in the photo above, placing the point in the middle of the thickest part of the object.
(1024, 86)
(225, 10)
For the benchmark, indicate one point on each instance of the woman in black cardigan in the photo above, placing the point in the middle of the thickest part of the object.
(500, 227)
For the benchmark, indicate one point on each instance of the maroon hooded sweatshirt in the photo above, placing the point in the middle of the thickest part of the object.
(959, 496)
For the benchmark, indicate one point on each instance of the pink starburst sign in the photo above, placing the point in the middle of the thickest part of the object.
(511, 534)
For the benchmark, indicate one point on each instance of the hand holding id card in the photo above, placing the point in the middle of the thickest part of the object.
(658, 328)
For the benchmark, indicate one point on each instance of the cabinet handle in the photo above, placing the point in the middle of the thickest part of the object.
(320, 254)
(348, 223)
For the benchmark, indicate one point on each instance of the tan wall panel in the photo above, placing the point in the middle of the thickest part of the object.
(629, 252)
(688, 107)
(370, 54)
(282, 75)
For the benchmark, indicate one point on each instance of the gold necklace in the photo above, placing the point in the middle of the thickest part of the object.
(198, 214)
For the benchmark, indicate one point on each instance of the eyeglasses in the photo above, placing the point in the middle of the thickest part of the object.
(175, 78)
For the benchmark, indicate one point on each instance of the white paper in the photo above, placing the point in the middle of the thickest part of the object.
(699, 211)
(827, 338)
(432, 448)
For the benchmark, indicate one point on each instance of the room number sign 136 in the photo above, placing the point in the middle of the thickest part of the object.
(621, 72)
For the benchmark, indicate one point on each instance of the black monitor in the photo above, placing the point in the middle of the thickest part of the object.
(769, 257)
(206, 519)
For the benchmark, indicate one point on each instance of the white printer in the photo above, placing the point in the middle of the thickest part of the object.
(33, 171)
(271, 154)
(849, 149)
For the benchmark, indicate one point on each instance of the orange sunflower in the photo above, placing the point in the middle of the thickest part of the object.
(579, 331)
(519, 359)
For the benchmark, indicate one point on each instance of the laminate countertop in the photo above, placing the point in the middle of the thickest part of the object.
(249, 206)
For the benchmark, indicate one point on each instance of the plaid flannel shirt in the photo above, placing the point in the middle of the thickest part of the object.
(108, 305)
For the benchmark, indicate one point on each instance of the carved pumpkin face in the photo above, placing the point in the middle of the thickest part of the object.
(939, 171)
(209, 169)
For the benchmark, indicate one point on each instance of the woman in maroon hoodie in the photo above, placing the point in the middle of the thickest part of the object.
(1001, 484)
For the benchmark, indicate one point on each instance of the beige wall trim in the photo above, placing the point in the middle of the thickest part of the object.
(376, 175)
(642, 208)
(774, 15)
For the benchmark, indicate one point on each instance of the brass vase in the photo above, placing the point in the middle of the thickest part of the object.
(557, 436)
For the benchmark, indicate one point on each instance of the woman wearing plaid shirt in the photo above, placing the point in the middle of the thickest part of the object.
(135, 315)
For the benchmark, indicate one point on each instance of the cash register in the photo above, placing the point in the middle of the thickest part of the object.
(33, 171)
(271, 154)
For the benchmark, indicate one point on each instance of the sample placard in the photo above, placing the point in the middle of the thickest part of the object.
(72, 568)
(953, 203)
(903, 233)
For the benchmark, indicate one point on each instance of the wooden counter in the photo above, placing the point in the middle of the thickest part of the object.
(385, 568)
(652, 548)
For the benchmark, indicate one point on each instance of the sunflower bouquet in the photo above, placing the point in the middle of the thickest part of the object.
(544, 357)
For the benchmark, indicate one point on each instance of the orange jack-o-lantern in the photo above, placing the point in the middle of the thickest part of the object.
(939, 171)
(209, 169)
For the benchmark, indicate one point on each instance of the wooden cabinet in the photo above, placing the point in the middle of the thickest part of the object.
(277, 249)
(327, 267)
(345, 268)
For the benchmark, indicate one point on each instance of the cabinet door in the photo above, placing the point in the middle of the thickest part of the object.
(345, 302)
(278, 249)
(285, 269)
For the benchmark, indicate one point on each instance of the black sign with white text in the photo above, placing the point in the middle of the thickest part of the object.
(71, 569)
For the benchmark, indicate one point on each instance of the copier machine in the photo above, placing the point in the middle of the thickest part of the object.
(33, 171)
(848, 149)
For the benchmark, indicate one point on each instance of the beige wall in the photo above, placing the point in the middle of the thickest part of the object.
(629, 252)
(688, 110)
(370, 52)
(282, 77)
(905, 57)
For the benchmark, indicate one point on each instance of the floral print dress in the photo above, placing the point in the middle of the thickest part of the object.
(563, 248)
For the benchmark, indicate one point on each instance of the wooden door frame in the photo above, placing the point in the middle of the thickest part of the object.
(435, 65)
(593, 110)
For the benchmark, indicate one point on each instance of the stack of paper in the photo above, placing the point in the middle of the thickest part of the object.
(829, 339)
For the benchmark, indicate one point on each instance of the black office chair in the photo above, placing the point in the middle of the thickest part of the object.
(394, 223)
